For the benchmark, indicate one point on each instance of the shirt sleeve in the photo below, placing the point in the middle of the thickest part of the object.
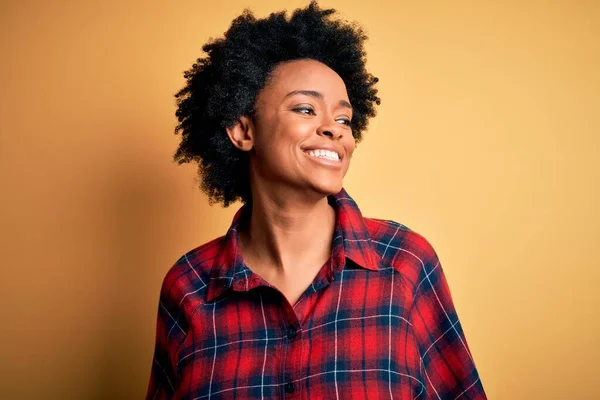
(447, 366)
(170, 332)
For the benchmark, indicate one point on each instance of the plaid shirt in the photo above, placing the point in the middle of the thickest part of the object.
(377, 322)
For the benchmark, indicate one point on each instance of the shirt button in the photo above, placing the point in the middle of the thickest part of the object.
(291, 333)
(290, 387)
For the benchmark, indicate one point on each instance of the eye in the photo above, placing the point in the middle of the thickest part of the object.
(311, 111)
(346, 122)
(304, 110)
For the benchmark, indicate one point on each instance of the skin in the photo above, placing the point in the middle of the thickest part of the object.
(290, 232)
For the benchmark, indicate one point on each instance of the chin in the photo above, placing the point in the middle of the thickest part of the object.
(327, 188)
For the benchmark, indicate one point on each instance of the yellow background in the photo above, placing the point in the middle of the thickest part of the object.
(486, 142)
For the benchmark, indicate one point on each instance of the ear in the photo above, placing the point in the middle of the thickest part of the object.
(242, 133)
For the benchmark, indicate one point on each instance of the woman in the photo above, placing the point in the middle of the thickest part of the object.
(303, 297)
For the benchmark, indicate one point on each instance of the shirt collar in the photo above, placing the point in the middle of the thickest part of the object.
(351, 240)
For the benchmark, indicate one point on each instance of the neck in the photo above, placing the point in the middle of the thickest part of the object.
(287, 233)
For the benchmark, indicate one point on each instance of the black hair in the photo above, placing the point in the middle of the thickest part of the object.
(223, 86)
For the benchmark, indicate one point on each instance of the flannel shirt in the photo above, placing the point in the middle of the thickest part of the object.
(377, 322)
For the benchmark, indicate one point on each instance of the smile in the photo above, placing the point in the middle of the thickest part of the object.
(325, 154)
(322, 160)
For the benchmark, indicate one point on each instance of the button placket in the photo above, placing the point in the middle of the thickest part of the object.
(291, 334)
(292, 347)
(290, 387)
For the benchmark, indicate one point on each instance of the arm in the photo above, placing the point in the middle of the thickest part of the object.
(447, 365)
(171, 329)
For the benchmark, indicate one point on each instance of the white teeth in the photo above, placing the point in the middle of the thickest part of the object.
(328, 154)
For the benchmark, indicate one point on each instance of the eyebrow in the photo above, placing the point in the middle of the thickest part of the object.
(318, 95)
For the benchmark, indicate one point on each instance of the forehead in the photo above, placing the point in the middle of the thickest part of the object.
(305, 75)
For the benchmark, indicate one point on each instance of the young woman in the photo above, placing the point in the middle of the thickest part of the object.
(303, 298)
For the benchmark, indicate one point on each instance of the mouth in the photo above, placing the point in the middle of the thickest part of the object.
(327, 160)
(324, 154)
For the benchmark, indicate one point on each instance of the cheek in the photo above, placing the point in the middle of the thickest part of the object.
(289, 136)
(350, 149)
(297, 129)
(277, 149)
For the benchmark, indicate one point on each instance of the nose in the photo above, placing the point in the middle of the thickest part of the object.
(330, 128)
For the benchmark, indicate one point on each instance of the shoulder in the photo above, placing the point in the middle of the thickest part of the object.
(190, 274)
(401, 248)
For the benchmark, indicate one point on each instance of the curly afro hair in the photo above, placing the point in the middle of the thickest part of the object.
(223, 86)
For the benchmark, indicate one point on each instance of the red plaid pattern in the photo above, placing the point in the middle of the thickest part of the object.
(377, 322)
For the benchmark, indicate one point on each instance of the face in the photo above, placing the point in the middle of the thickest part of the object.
(300, 137)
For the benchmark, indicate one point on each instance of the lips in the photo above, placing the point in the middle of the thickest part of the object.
(324, 162)
(326, 154)
(339, 152)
